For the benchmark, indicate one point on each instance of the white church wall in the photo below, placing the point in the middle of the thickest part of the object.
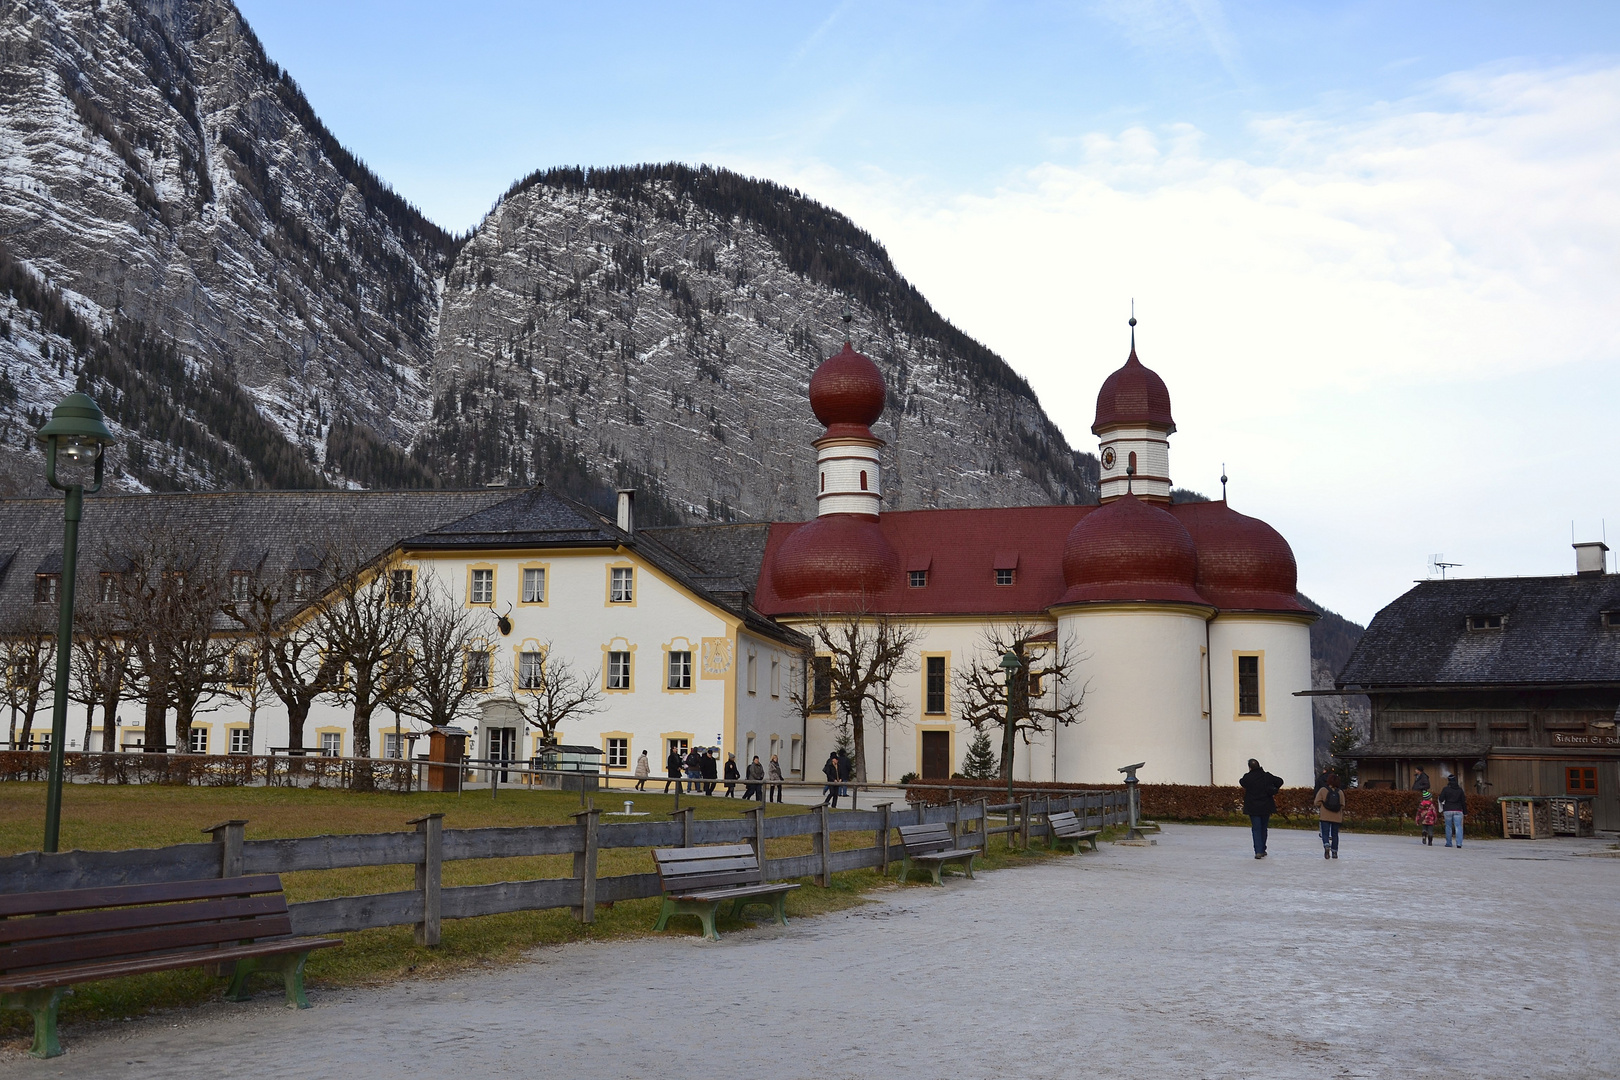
(1144, 701)
(1281, 737)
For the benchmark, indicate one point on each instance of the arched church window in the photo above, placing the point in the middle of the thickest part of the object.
(823, 481)
(863, 479)
(1131, 462)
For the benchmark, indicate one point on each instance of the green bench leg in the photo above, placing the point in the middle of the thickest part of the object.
(778, 906)
(938, 868)
(704, 911)
(42, 1003)
(289, 966)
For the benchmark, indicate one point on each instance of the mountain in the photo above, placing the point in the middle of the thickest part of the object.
(181, 236)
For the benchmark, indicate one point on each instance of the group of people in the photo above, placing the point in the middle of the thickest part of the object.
(1260, 802)
(838, 770)
(699, 769)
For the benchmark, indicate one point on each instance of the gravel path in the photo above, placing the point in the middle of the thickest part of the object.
(1189, 959)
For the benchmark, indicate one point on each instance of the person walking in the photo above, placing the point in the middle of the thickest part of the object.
(1453, 805)
(1329, 805)
(776, 774)
(756, 774)
(643, 770)
(1259, 802)
(673, 768)
(846, 772)
(1428, 816)
(1420, 782)
(829, 795)
(732, 775)
(710, 767)
(694, 770)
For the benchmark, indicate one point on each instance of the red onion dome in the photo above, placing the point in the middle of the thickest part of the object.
(1129, 550)
(837, 556)
(847, 393)
(1243, 563)
(1133, 396)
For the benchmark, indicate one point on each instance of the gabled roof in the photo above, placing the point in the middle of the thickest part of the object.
(1552, 633)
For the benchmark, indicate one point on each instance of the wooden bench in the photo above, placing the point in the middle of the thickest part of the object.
(51, 940)
(1067, 828)
(933, 846)
(697, 880)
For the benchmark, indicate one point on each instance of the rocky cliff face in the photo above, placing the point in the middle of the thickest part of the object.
(180, 236)
(240, 282)
(662, 323)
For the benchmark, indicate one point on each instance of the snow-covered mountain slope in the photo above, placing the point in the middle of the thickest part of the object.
(176, 187)
(181, 236)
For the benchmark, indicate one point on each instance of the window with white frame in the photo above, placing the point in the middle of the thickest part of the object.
(776, 677)
(303, 584)
(241, 670)
(241, 586)
(622, 590)
(332, 743)
(618, 669)
(753, 672)
(481, 589)
(401, 586)
(393, 745)
(47, 588)
(241, 742)
(531, 670)
(618, 753)
(477, 669)
(680, 669)
(197, 741)
(534, 585)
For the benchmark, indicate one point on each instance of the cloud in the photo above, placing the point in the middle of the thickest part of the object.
(1390, 319)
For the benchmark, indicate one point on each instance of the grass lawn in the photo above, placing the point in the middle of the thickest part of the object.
(108, 817)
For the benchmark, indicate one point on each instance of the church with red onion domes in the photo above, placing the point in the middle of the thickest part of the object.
(1184, 635)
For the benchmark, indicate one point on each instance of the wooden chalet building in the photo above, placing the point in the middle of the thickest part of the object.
(1511, 683)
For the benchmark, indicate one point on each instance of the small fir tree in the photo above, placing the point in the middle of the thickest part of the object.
(980, 763)
(1345, 740)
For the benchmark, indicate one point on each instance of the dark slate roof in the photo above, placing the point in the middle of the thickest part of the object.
(1552, 633)
(540, 519)
(733, 551)
(274, 531)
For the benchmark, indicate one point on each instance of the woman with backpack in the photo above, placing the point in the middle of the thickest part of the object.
(1329, 804)
(1428, 816)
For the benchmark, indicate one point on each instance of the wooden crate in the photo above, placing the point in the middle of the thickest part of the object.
(1570, 815)
(1525, 817)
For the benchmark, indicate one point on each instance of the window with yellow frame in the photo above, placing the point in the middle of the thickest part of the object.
(481, 585)
(534, 584)
(678, 672)
(1249, 685)
(618, 667)
(621, 584)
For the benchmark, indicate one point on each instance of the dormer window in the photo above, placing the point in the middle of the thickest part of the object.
(1611, 618)
(303, 584)
(1004, 577)
(47, 588)
(919, 579)
(1484, 622)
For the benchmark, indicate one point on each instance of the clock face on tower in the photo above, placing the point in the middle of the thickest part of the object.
(1108, 458)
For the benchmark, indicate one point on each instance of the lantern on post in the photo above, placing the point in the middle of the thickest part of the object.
(76, 431)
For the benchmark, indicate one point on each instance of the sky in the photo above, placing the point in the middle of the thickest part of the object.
(1374, 247)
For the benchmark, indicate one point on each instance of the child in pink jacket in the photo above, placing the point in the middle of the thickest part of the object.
(1428, 816)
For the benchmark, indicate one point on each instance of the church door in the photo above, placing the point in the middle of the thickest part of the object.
(936, 755)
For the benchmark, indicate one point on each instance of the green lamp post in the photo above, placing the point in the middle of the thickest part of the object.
(77, 432)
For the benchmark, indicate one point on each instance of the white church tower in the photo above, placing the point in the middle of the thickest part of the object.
(1133, 428)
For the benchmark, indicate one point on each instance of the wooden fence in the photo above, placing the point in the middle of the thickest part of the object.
(230, 854)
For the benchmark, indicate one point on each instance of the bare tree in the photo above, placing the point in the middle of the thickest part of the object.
(449, 660)
(28, 662)
(1033, 696)
(292, 658)
(169, 593)
(248, 683)
(100, 658)
(550, 692)
(865, 653)
(365, 627)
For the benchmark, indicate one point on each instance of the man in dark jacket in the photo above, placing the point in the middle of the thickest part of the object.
(829, 795)
(1453, 805)
(1420, 782)
(1259, 802)
(756, 778)
(694, 770)
(711, 771)
(731, 775)
(673, 767)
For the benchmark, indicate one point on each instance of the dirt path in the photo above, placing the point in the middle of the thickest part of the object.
(1189, 959)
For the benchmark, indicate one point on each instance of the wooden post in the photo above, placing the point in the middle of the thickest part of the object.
(684, 816)
(825, 877)
(883, 839)
(228, 835)
(431, 826)
(1023, 821)
(585, 866)
(956, 821)
(984, 825)
(758, 840)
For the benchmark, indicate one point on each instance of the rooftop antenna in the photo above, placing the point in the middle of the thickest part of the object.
(1133, 326)
(1437, 563)
(1223, 481)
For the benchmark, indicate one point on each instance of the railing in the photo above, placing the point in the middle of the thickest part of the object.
(230, 854)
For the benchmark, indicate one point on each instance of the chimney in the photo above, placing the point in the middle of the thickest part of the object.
(1590, 557)
(627, 510)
